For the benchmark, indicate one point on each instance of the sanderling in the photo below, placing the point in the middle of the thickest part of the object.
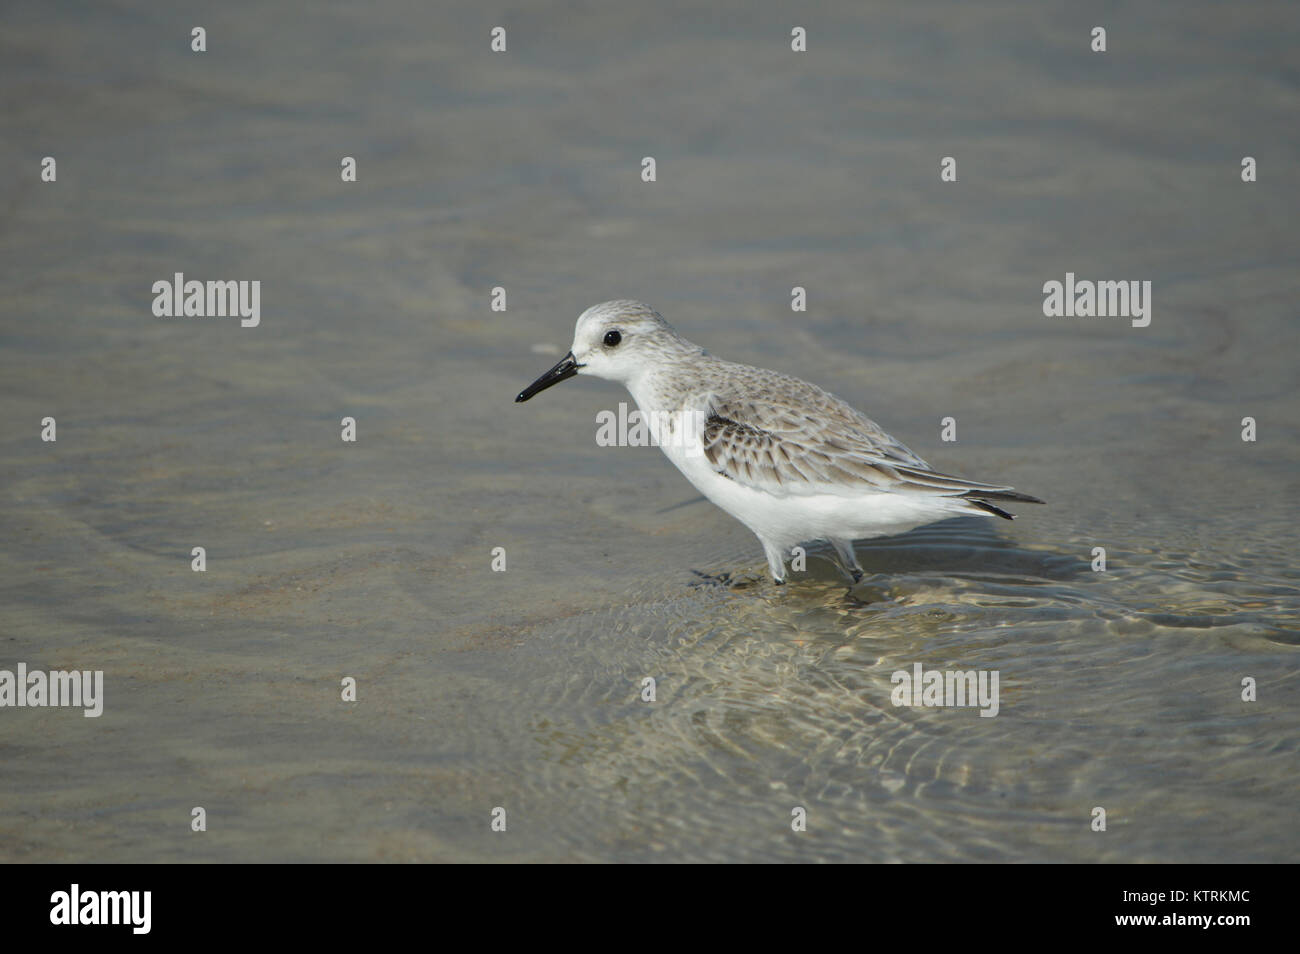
(785, 458)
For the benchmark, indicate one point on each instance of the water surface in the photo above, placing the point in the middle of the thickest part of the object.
(1119, 689)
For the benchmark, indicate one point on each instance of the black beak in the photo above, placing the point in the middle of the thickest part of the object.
(567, 368)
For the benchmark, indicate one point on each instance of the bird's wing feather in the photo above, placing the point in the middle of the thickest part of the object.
(791, 445)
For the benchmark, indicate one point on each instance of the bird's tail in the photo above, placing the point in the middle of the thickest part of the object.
(972, 492)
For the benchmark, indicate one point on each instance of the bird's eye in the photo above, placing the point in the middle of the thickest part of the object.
(612, 338)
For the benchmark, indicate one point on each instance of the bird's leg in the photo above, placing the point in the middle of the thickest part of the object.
(775, 563)
(848, 559)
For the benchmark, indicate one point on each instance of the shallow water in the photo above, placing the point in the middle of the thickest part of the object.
(476, 689)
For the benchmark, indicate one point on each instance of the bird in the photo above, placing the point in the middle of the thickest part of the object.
(790, 461)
